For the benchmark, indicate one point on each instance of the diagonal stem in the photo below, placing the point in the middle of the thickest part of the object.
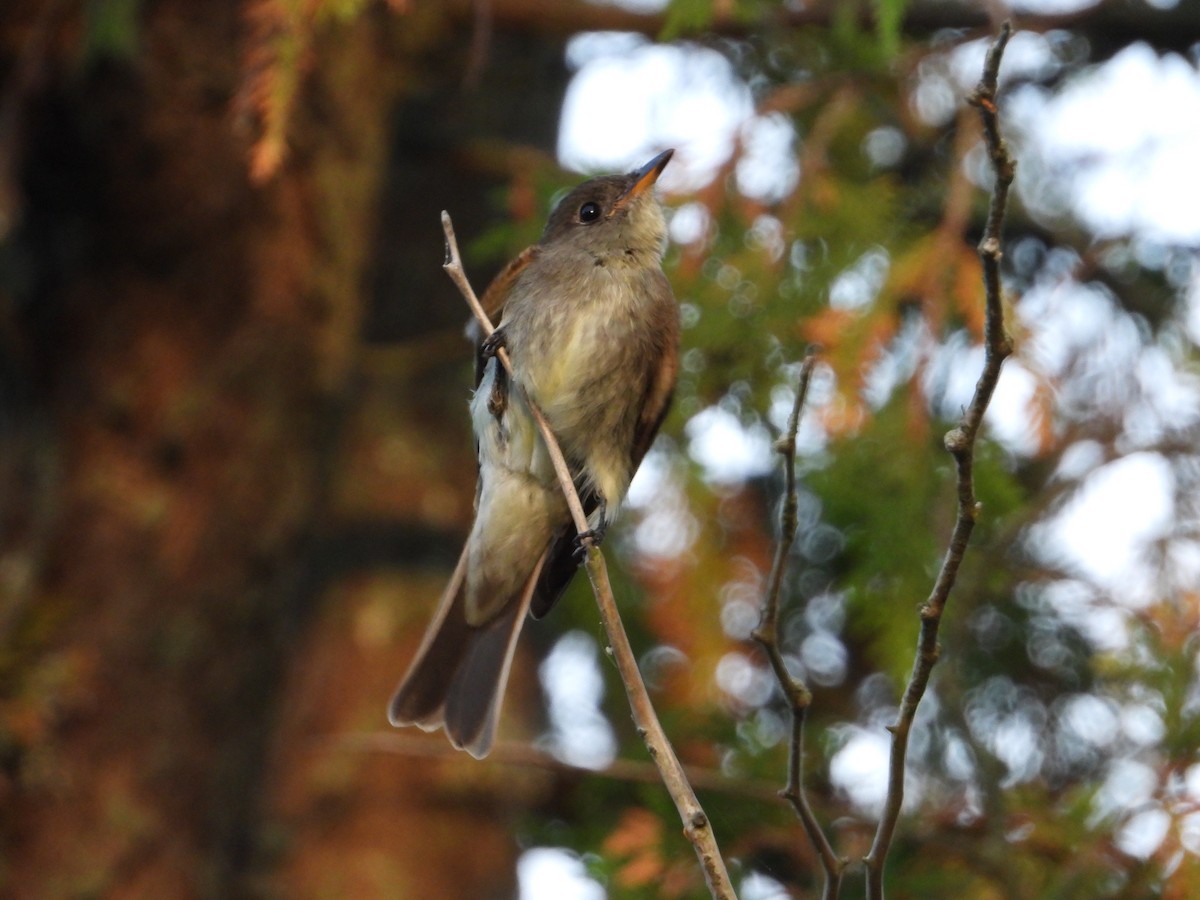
(960, 442)
(795, 691)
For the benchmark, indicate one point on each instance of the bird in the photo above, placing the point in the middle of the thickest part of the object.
(592, 330)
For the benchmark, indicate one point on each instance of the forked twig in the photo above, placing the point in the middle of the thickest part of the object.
(795, 691)
(696, 826)
(960, 442)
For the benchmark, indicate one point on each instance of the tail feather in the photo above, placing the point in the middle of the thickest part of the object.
(477, 692)
(421, 694)
(458, 677)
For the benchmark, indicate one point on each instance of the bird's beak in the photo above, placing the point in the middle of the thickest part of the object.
(644, 178)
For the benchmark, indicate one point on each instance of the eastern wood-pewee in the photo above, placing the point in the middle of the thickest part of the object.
(592, 330)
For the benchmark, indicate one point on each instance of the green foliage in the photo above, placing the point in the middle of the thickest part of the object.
(509, 234)
(341, 10)
(889, 491)
(857, 45)
(889, 14)
(112, 29)
(685, 17)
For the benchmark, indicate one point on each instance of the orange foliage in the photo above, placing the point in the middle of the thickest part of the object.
(941, 273)
(638, 840)
(279, 54)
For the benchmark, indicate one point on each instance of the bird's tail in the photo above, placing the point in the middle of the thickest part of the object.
(458, 677)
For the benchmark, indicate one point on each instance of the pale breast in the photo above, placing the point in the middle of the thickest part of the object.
(585, 352)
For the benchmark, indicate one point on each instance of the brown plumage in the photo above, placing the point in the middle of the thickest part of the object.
(592, 330)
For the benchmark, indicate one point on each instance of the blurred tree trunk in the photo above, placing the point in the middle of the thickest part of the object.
(188, 430)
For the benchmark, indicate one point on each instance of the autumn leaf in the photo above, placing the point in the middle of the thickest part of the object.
(279, 54)
(637, 839)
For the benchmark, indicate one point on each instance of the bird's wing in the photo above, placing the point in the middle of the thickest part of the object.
(660, 387)
(496, 296)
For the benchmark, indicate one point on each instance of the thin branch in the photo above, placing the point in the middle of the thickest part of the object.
(794, 690)
(520, 754)
(696, 825)
(960, 442)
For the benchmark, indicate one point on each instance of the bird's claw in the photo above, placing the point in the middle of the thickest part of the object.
(491, 344)
(585, 539)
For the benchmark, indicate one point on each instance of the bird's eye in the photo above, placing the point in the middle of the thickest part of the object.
(589, 213)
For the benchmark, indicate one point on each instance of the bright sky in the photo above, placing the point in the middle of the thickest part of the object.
(1117, 148)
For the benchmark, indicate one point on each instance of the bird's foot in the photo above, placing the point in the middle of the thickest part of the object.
(585, 539)
(594, 536)
(491, 344)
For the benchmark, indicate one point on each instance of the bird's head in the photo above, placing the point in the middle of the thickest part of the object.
(614, 215)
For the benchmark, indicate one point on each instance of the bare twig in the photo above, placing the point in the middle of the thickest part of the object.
(795, 691)
(960, 442)
(521, 754)
(696, 826)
